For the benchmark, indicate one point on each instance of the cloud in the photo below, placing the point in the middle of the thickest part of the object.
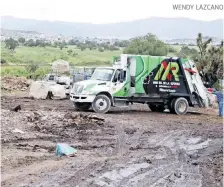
(103, 11)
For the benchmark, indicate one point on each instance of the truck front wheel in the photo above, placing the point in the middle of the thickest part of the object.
(101, 104)
(82, 106)
(181, 106)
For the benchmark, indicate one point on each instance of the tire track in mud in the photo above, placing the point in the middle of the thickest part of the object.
(121, 140)
(176, 169)
(134, 149)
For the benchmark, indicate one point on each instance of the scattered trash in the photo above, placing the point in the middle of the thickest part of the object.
(16, 109)
(34, 116)
(18, 130)
(82, 118)
(65, 149)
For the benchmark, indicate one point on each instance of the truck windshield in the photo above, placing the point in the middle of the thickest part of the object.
(102, 74)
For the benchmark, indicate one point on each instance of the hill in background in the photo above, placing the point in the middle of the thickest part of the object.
(164, 28)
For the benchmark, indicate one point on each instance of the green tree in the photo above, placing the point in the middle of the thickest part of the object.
(147, 45)
(100, 49)
(202, 46)
(30, 43)
(72, 42)
(122, 43)
(69, 51)
(187, 52)
(82, 47)
(40, 43)
(210, 62)
(171, 49)
(61, 46)
(21, 40)
(215, 60)
(11, 44)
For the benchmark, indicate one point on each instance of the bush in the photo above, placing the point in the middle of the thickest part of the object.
(83, 48)
(171, 49)
(100, 49)
(69, 51)
(3, 61)
(74, 54)
(218, 86)
(64, 57)
(39, 73)
(31, 67)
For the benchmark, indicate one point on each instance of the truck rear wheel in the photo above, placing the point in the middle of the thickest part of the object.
(171, 106)
(82, 106)
(181, 106)
(101, 104)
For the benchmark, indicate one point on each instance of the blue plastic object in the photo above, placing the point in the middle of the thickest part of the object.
(219, 96)
(64, 149)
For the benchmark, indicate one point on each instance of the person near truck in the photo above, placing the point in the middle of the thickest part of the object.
(219, 95)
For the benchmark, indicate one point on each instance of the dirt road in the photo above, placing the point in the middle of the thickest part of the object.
(133, 147)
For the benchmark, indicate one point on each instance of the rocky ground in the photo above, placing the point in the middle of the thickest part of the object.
(128, 147)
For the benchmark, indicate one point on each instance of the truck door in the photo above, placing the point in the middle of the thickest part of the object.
(120, 83)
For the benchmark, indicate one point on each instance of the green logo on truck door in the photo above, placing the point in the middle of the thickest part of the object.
(171, 66)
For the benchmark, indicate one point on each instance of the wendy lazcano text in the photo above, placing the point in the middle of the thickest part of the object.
(198, 7)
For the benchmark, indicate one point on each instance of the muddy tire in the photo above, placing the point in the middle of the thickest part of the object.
(171, 106)
(181, 106)
(101, 104)
(156, 108)
(82, 106)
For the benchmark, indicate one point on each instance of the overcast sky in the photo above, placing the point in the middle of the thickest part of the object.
(104, 11)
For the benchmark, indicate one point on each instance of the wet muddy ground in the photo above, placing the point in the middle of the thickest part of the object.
(133, 147)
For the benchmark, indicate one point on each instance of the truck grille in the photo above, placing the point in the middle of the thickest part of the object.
(77, 88)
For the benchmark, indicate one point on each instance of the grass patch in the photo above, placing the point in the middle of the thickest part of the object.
(21, 71)
(41, 55)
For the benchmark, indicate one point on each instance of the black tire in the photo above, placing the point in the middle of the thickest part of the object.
(101, 104)
(171, 106)
(152, 107)
(82, 106)
(156, 108)
(160, 108)
(181, 106)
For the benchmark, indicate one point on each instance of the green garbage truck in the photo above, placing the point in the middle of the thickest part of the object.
(160, 82)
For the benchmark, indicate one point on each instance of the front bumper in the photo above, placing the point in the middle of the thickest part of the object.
(82, 98)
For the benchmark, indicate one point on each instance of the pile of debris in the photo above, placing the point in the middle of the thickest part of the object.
(55, 85)
(62, 124)
(14, 83)
(60, 66)
(48, 90)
